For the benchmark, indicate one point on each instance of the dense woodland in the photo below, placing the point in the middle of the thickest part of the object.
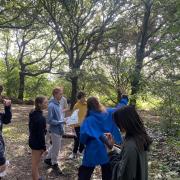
(104, 47)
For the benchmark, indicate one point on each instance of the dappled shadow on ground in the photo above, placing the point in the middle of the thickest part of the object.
(19, 154)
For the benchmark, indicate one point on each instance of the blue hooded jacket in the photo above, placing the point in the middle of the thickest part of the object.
(94, 126)
(54, 117)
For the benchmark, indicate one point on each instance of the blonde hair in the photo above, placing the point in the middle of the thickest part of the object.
(56, 90)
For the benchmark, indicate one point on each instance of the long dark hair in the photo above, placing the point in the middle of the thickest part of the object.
(128, 119)
(93, 104)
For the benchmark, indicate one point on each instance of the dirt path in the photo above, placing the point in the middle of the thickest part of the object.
(18, 152)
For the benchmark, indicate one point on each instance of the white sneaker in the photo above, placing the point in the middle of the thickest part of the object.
(73, 156)
(81, 154)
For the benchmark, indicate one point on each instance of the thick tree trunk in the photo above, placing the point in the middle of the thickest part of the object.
(21, 86)
(135, 83)
(74, 89)
(140, 51)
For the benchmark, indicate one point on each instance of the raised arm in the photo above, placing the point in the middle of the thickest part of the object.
(6, 117)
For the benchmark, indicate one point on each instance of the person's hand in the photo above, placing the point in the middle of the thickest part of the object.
(65, 110)
(7, 102)
(109, 138)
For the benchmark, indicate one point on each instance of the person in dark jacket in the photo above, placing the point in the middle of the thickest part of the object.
(5, 118)
(37, 131)
(97, 122)
(131, 163)
(81, 106)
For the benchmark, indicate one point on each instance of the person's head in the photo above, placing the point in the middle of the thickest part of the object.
(128, 120)
(41, 103)
(93, 104)
(57, 93)
(1, 89)
(81, 96)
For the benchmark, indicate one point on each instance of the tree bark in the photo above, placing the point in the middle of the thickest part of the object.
(135, 83)
(140, 51)
(74, 89)
(119, 94)
(21, 86)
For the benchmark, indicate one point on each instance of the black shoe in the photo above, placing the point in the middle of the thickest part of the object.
(48, 162)
(57, 170)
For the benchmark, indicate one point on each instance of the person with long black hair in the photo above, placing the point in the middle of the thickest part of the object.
(131, 163)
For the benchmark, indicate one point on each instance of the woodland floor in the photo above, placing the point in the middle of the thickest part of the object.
(164, 157)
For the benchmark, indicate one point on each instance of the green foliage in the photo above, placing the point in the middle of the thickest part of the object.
(97, 42)
(170, 107)
(167, 87)
(10, 77)
(148, 101)
(38, 86)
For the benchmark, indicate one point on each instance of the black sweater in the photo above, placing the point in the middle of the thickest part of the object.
(5, 118)
(37, 130)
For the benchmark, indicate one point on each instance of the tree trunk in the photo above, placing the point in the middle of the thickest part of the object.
(119, 94)
(135, 83)
(140, 51)
(74, 89)
(21, 86)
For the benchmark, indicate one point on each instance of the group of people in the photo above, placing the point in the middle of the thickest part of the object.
(99, 132)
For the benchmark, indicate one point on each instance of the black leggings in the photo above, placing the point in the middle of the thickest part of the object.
(77, 144)
(86, 172)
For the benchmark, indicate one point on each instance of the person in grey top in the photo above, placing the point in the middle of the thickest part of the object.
(131, 163)
(55, 121)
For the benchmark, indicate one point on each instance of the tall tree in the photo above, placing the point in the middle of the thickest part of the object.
(35, 55)
(9, 65)
(153, 29)
(80, 27)
(118, 60)
(17, 14)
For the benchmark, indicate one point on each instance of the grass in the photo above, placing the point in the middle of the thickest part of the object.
(149, 102)
(16, 133)
(173, 142)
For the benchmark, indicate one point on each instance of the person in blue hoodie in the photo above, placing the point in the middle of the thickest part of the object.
(55, 122)
(123, 101)
(97, 122)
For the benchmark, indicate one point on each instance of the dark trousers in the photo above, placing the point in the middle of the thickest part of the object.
(86, 172)
(77, 144)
